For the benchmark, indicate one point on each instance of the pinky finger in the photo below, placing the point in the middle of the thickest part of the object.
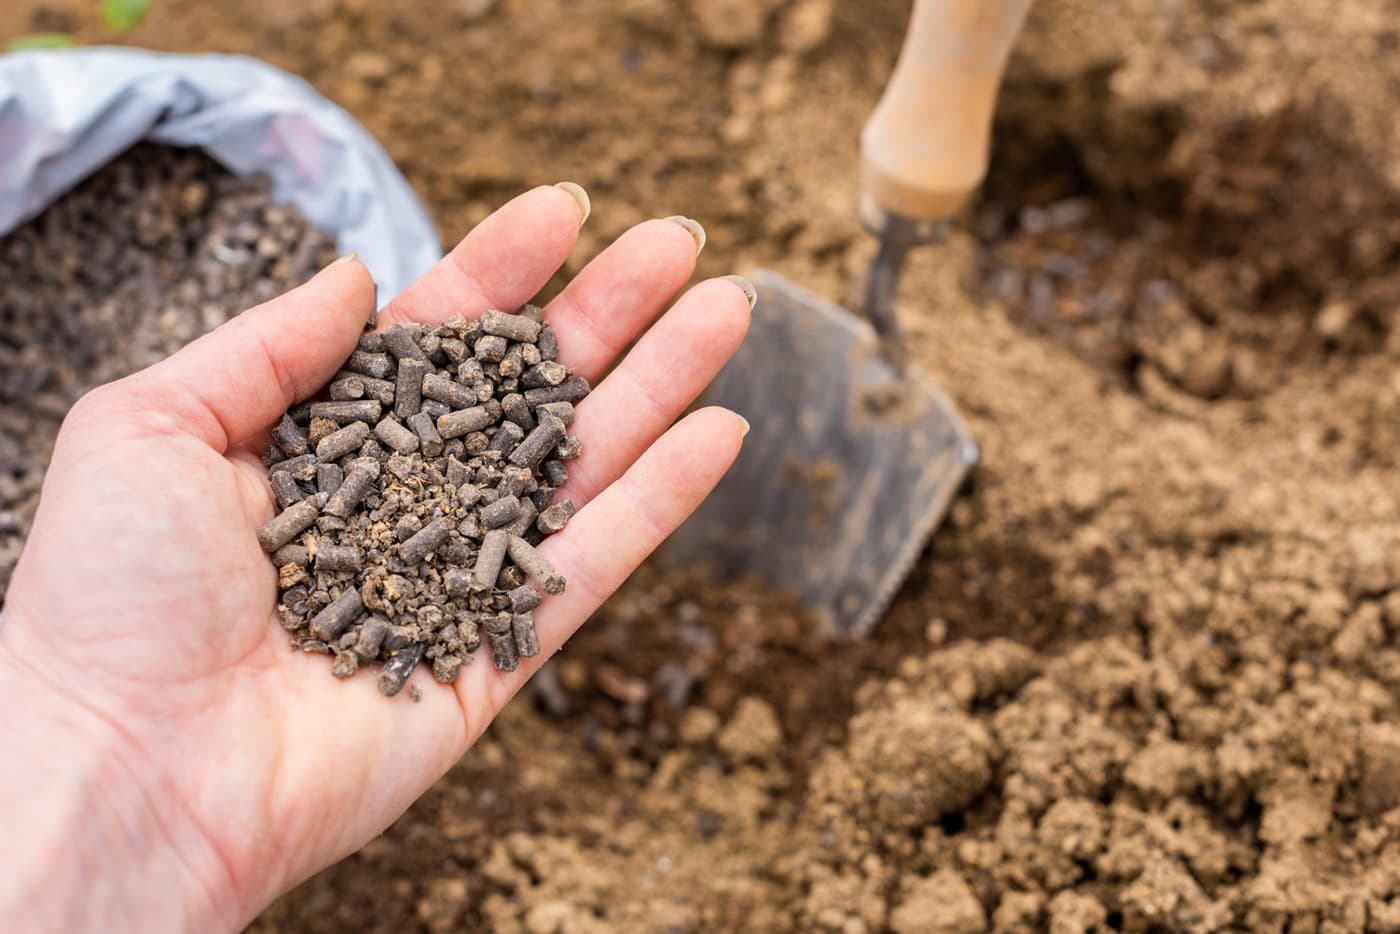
(611, 536)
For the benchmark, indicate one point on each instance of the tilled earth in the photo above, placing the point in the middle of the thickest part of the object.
(1145, 678)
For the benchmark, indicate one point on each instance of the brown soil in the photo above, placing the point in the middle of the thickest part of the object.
(1145, 677)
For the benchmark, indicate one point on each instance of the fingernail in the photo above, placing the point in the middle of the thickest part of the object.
(692, 227)
(748, 288)
(585, 207)
(351, 257)
(744, 422)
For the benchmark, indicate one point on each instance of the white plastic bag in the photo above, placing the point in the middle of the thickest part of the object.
(66, 113)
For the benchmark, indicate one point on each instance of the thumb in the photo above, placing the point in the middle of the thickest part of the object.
(239, 378)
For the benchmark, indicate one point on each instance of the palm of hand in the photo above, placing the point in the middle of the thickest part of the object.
(144, 597)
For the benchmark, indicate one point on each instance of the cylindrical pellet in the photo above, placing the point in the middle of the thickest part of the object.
(402, 341)
(572, 390)
(397, 669)
(500, 512)
(524, 598)
(371, 638)
(511, 365)
(516, 410)
(555, 517)
(329, 477)
(544, 373)
(356, 486)
(377, 365)
(380, 390)
(337, 444)
(348, 389)
(294, 520)
(429, 441)
(525, 521)
(434, 409)
(527, 640)
(464, 421)
(343, 413)
(511, 327)
(289, 437)
(529, 560)
(555, 473)
(564, 411)
(508, 436)
(454, 350)
(449, 392)
(302, 467)
(424, 542)
(539, 443)
(408, 386)
(291, 554)
(338, 558)
(371, 343)
(500, 635)
(285, 490)
(548, 344)
(489, 559)
(338, 615)
(396, 436)
(490, 349)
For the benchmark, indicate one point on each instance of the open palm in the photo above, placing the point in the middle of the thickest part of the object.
(144, 603)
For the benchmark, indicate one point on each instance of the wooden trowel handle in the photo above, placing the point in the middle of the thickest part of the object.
(925, 147)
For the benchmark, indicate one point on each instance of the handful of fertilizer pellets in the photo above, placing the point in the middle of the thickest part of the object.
(413, 498)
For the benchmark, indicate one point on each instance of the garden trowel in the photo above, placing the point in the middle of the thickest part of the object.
(854, 456)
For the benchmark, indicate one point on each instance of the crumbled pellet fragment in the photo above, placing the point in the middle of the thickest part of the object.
(555, 473)
(429, 441)
(329, 477)
(517, 411)
(554, 518)
(346, 664)
(508, 436)
(290, 438)
(457, 582)
(536, 565)
(500, 636)
(302, 468)
(371, 638)
(564, 411)
(339, 443)
(527, 640)
(397, 638)
(525, 521)
(446, 667)
(569, 449)
(515, 481)
(371, 343)
(291, 522)
(397, 669)
(337, 615)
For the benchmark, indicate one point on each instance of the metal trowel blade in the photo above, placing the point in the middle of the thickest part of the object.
(846, 471)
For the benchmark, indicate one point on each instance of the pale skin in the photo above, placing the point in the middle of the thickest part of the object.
(169, 762)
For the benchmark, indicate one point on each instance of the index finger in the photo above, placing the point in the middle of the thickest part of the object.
(502, 263)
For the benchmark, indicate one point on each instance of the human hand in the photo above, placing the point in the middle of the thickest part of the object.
(178, 763)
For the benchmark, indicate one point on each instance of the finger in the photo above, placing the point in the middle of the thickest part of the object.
(606, 541)
(620, 292)
(662, 375)
(243, 375)
(502, 263)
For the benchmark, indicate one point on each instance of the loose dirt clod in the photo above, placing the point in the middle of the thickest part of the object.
(149, 253)
(408, 533)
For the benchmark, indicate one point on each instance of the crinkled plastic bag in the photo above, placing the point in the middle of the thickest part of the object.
(66, 113)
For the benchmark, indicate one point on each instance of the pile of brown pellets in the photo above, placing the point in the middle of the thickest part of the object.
(412, 499)
(150, 252)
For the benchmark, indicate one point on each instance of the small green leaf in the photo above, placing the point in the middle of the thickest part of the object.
(123, 15)
(41, 40)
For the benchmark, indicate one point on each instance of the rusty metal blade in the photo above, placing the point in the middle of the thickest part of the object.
(847, 470)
